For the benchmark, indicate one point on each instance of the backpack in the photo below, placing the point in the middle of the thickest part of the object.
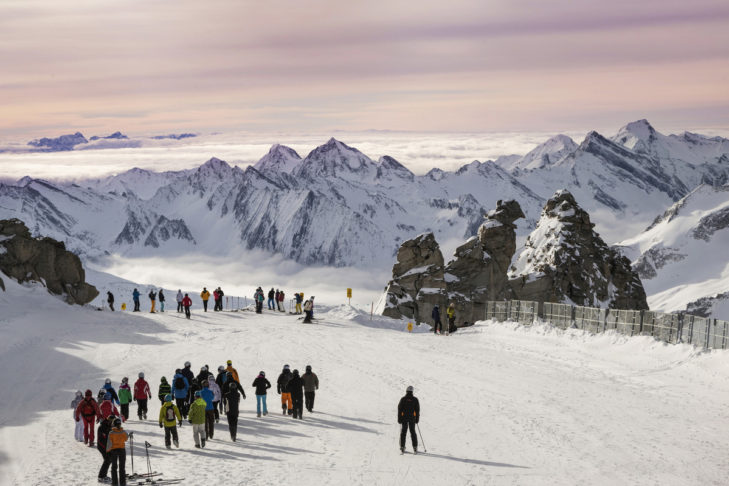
(180, 383)
(170, 414)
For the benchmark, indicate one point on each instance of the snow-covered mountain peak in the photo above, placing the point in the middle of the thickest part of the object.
(548, 153)
(638, 136)
(279, 158)
(388, 167)
(337, 159)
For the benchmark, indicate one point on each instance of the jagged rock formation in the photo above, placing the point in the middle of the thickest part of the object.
(477, 274)
(564, 260)
(44, 260)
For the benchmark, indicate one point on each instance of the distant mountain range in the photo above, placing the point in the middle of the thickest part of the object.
(336, 206)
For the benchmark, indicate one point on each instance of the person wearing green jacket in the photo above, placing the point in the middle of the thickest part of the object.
(125, 397)
(169, 417)
(164, 390)
(197, 418)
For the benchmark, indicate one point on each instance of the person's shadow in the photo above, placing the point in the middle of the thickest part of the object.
(473, 461)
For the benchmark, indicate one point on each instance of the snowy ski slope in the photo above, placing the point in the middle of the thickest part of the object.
(501, 404)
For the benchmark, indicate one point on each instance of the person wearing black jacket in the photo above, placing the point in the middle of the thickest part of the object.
(282, 387)
(161, 297)
(437, 325)
(261, 384)
(408, 414)
(296, 388)
(110, 300)
(102, 434)
(220, 380)
(187, 373)
(231, 397)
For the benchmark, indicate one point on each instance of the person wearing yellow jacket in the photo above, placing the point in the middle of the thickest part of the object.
(116, 450)
(451, 312)
(205, 295)
(197, 419)
(169, 418)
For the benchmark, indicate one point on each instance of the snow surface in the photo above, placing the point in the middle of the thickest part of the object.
(500, 403)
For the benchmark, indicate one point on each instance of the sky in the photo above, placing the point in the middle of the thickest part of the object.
(321, 65)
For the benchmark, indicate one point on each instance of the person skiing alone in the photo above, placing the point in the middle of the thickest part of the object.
(110, 300)
(231, 396)
(179, 298)
(102, 438)
(197, 420)
(408, 414)
(437, 326)
(271, 297)
(205, 295)
(169, 418)
(135, 297)
(125, 397)
(282, 388)
(141, 394)
(161, 297)
(79, 431)
(261, 384)
(308, 306)
(152, 299)
(187, 303)
(311, 384)
(296, 388)
(88, 410)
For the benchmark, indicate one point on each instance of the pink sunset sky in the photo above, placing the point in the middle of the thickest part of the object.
(161, 66)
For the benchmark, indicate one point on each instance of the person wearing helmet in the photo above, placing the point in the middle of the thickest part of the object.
(231, 396)
(169, 418)
(125, 397)
(88, 410)
(282, 388)
(79, 431)
(163, 390)
(311, 384)
(141, 395)
(261, 384)
(107, 407)
(110, 389)
(435, 314)
(116, 449)
(408, 414)
(180, 390)
(102, 439)
(232, 371)
(296, 388)
(197, 420)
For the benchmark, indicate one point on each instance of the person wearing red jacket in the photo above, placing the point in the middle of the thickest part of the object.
(107, 407)
(186, 303)
(141, 395)
(88, 410)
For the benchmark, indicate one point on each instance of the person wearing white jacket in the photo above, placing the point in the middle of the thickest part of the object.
(79, 432)
(179, 300)
(216, 393)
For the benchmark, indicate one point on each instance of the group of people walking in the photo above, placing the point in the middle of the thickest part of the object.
(200, 399)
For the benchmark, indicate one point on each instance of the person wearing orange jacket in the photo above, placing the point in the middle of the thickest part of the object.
(232, 371)
(88, 410)
(116, 450)
(205, 295)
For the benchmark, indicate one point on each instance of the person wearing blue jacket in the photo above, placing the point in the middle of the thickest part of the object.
(135, 296)
(437, 326)
(207, 394)
(180, 389)
(110, 389)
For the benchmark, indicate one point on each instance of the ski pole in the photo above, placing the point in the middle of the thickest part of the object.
(425, 449)
(146, 449)
(131, 450)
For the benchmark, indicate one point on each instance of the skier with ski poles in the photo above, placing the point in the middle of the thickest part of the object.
(408, 414)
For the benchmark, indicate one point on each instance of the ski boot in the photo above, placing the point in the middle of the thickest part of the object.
(177, 444)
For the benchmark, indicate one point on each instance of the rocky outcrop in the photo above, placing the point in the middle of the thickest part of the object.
(566, 261)
(418, 282)
(477, 274)
(44, 260)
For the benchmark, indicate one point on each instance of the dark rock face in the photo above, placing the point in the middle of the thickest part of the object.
(477, 274)
(566, 261)
(45, 260)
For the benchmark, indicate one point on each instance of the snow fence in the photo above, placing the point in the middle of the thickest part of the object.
(670, 328)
